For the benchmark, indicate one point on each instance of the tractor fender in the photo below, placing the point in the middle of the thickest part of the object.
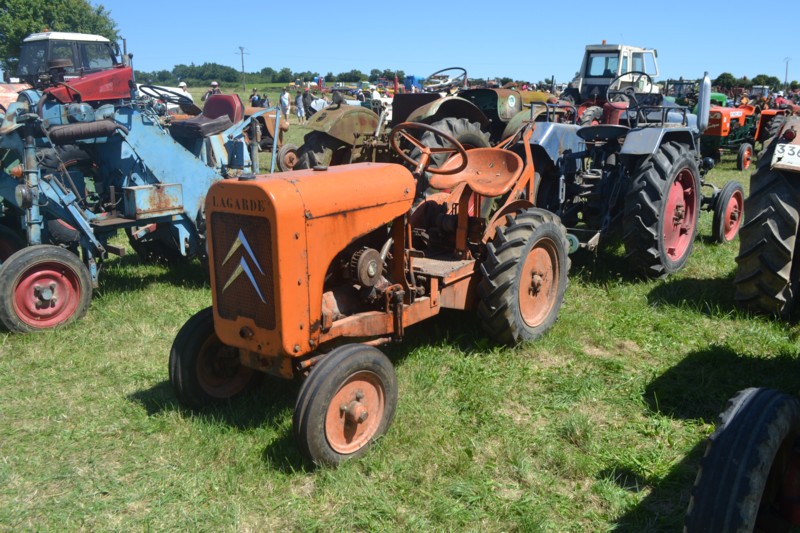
(553, 139)
(450, 106)
(520, 118)
(781, 160)
(647, 141)
(344, 122)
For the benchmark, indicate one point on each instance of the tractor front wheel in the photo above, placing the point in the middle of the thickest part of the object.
(661, 211)
(744, 157)
(42, 287)
(202, 370)
(768, 271)
(524, 277)
(345, 404)
(748, 478)
(728, 212)
(287, 157)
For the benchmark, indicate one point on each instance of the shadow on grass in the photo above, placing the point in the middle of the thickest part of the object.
(697, 388)
(130, 273)
(709, 296)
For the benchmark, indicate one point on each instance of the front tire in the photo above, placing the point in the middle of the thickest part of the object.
(661, 211)
(345, 404)
(524, 277)
(745, 156)
(728, 212)
(287, 157)
(202, 370)
(749, 463)
(768, 270)
(43, 287)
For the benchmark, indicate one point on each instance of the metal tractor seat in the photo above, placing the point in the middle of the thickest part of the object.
(602, 132)
(489, 172)
(220, 113)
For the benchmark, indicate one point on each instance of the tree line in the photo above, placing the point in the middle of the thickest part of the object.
(726, 80)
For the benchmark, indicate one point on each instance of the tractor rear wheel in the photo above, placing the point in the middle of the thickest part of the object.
(661, 211)
(468, 134)
(287, 157)
(728, 212)
(346, 403)
(524, 277)
(42, 287)
(744, 157)
(202, 370)
(768, 271)
(10, 242)
(320, 149)
(592, 115)
(748, 477)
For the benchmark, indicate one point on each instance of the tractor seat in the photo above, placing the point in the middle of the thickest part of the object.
(220, 113)
(602, 132)
(489, 172)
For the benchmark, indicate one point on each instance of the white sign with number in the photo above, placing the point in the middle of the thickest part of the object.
(786, 155)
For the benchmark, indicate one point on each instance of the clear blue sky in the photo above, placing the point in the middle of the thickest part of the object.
(522, 40)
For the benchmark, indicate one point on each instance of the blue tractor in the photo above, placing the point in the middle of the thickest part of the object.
(81, 160)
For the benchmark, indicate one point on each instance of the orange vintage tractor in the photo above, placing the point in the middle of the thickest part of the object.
(737, 128)
(312, 269)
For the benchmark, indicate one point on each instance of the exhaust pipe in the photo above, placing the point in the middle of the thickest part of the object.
(704, 103)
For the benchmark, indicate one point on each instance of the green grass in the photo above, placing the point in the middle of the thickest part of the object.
(597, 426)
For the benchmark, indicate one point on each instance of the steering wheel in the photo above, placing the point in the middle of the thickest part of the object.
(456, 77)
(628, 92)
(421, 165)
(165, 95)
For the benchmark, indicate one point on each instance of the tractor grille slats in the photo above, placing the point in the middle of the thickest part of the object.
(242, 257)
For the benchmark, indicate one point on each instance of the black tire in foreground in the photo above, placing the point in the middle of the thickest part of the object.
(468, 134)
(43, 287)
(346, 403)
(768, 268)
(752, 453)
(524, 277)
(320, 149)
(662, 208)
(202, 370)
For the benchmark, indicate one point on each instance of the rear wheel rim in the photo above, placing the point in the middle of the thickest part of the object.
(537, 284)
(355, 413)
(733, 215)
(47, 294)
(680, 215)
(747, 157)
(220, 373)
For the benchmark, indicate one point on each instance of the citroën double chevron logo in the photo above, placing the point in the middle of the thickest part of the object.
(243, 267)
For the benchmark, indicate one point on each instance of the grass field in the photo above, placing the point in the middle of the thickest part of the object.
(597, 426)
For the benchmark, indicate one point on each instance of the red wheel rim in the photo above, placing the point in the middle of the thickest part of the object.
(747, 157)
(680, 215)
(219, 370)
(538, 283)
(355, 413)
(733, 215)
(290, 160)
(47, 294)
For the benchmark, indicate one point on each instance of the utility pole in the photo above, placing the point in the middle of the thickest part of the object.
(242, 53)
(786, 76)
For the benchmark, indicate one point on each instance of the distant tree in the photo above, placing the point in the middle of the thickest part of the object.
(20, 18)
(794, 85)
(329, 77)
(763, 79)
(269, 74)
(374, 74)
(502, 81)
(284, 76)
(726, 80)
(353, 75)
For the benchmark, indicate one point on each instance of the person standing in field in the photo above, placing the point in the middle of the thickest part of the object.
(284, 103)
(298, 102)
(214, 89)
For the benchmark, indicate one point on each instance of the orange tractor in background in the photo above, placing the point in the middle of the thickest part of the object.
(311, 270)
(737, 128)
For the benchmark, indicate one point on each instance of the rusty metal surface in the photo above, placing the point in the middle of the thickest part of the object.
(147, 201)
(344, 122)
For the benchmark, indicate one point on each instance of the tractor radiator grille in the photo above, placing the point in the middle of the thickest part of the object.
(242, 257)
